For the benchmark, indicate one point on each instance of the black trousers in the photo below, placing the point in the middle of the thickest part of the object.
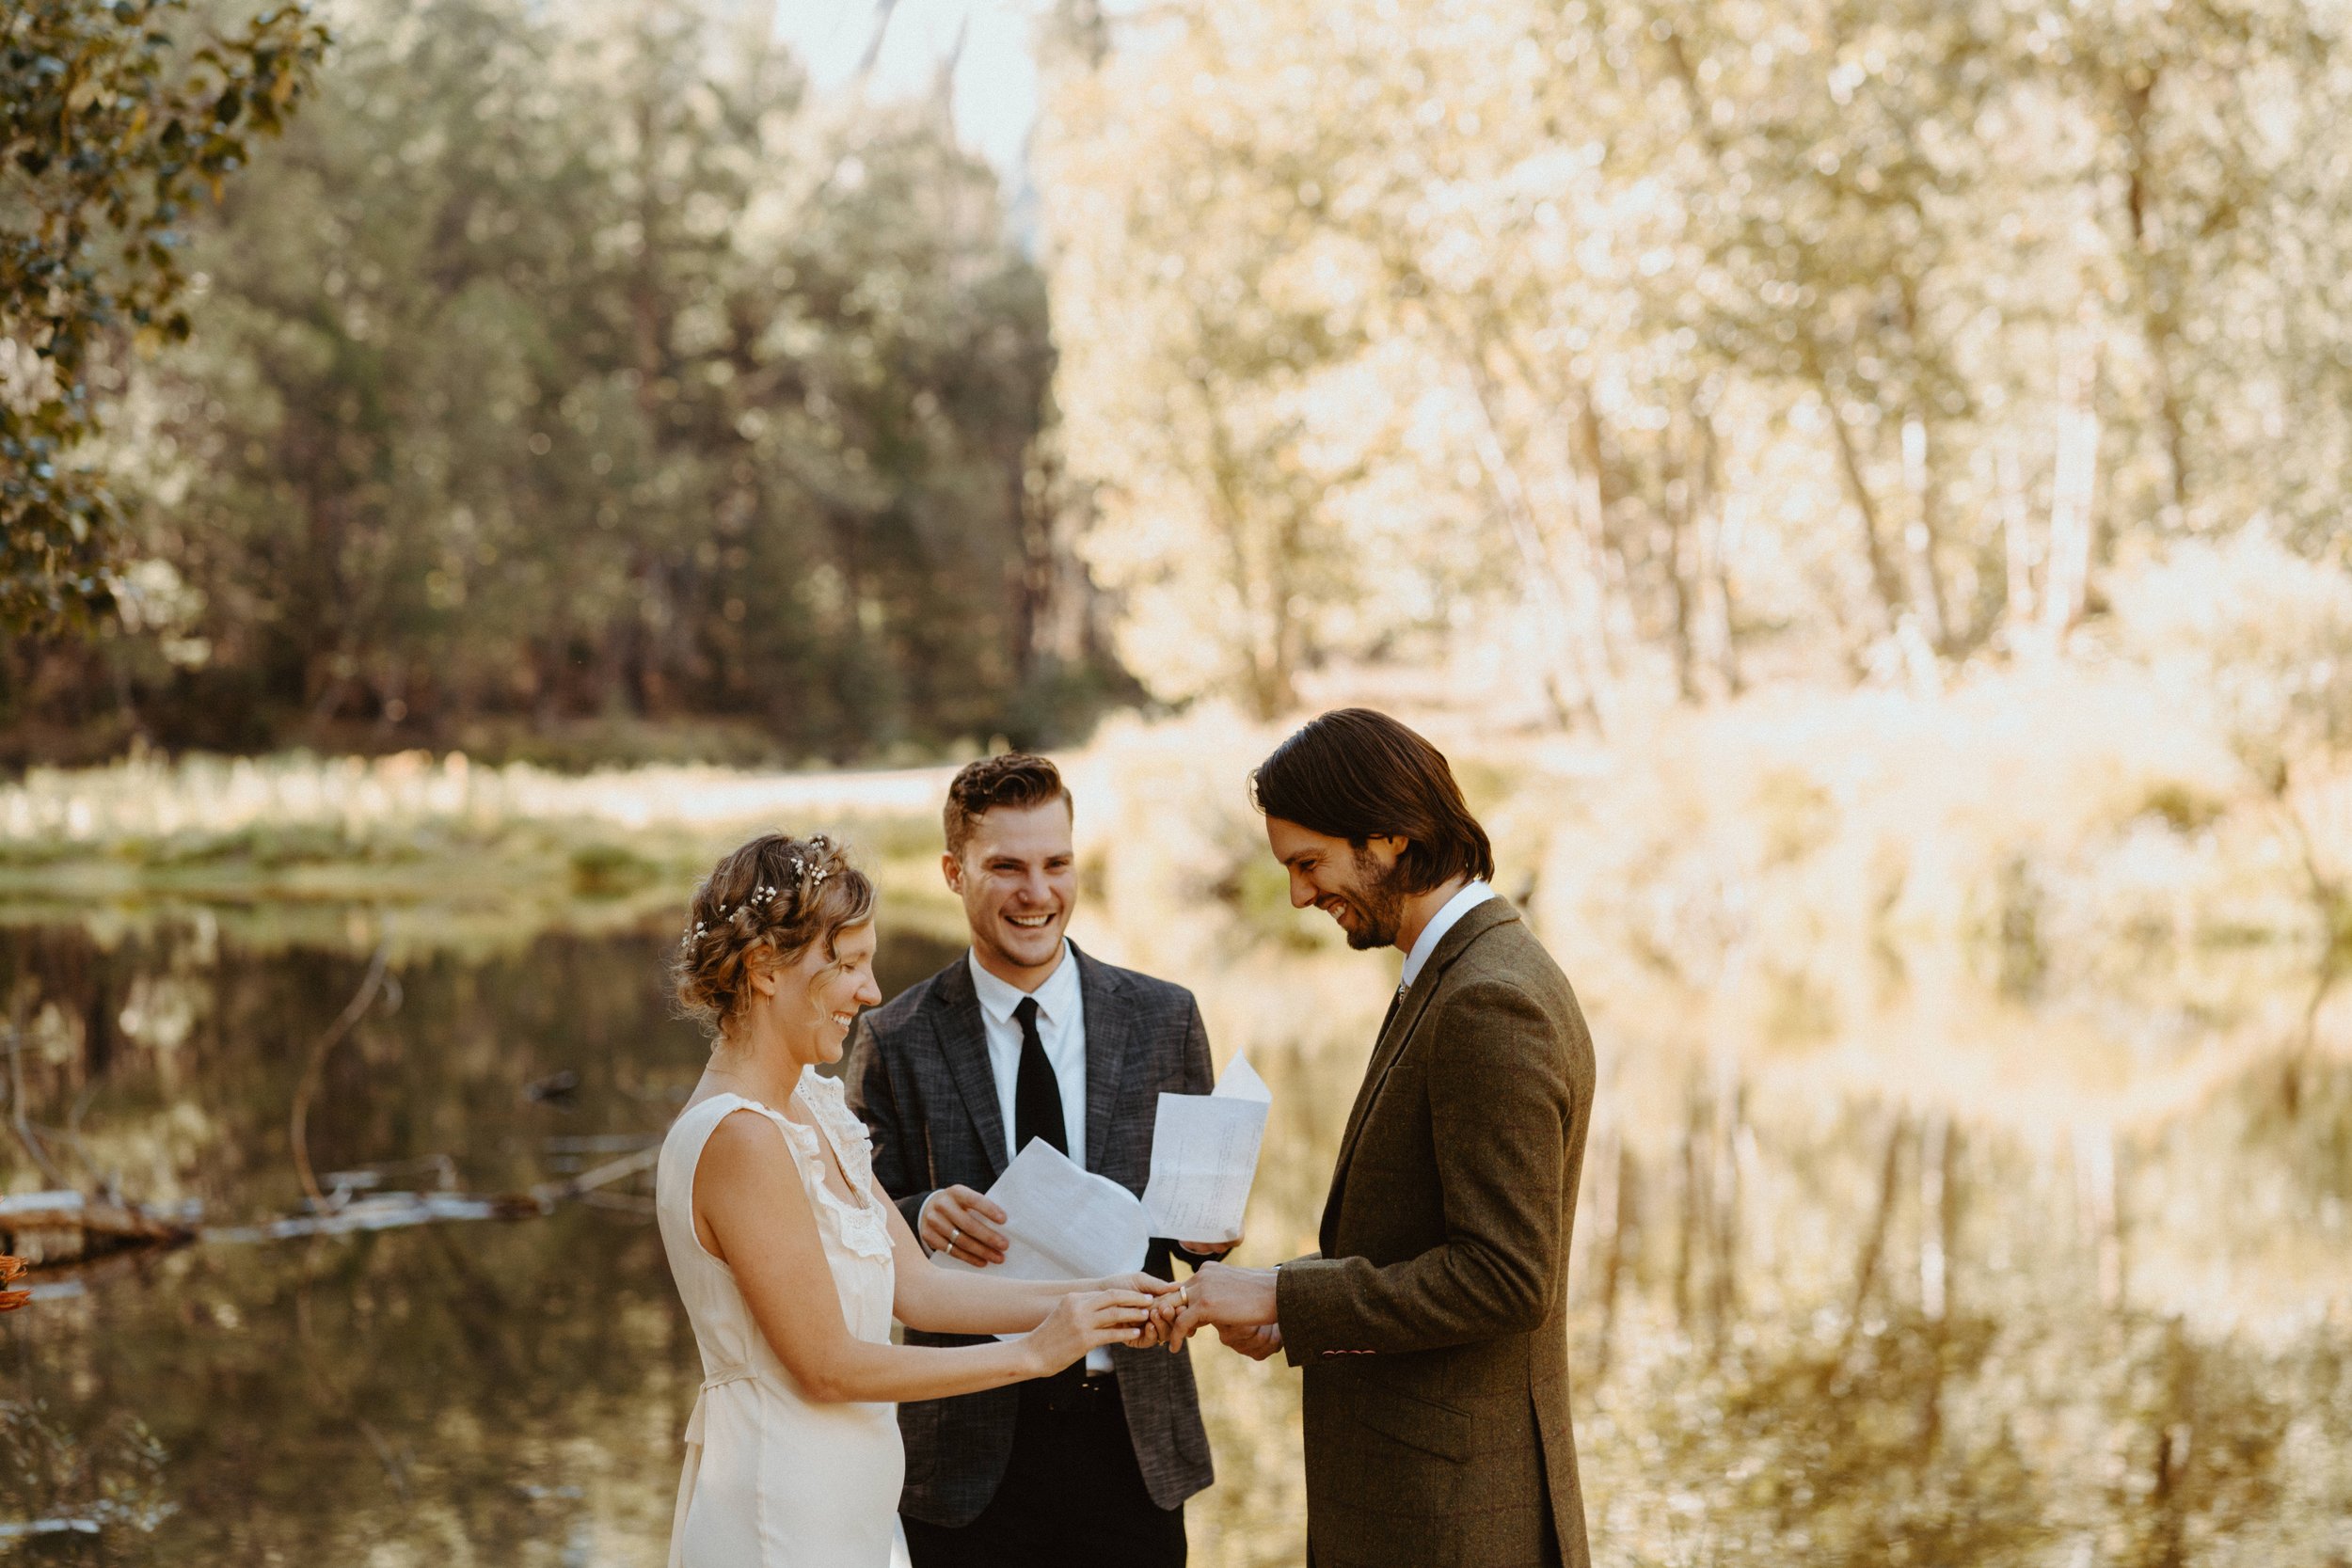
(1072, 1497)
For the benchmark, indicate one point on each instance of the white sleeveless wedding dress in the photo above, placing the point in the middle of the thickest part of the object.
(773, 1479)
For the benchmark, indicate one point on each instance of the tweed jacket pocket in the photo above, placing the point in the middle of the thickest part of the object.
(1389, 1488)
(1416, 1423)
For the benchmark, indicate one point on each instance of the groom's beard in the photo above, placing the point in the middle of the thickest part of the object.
(1379, 905)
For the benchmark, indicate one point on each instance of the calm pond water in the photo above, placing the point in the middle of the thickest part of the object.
(1815, 1322)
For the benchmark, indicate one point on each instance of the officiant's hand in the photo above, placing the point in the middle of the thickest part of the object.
(963, 1222)
(1210, 1249)
(1220, 1296)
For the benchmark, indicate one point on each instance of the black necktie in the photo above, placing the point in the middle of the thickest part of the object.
(1036, 1092)
(1037, 1114)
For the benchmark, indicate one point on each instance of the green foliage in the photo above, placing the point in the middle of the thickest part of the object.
(2020, 947)
(1257, 892)
(111, 123)
(2181, 807)
(573, 372)
(609, 870)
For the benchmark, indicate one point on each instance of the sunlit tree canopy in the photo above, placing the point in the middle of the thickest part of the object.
(1665, 346)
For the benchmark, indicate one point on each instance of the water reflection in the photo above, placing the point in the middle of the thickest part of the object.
(1814, 1326)
(499, 1392)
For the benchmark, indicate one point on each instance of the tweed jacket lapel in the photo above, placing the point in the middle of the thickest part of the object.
(1110, 1022)
(962, 1036)
(1486, 917)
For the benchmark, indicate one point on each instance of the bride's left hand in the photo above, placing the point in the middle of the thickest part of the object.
(1153, 1330)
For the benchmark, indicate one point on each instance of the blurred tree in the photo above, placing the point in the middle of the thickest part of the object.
(1674, 337)
(112, 118)
(584, 366)
(1203, 367)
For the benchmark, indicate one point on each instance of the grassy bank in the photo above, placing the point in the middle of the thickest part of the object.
(459, 854)
(2160, 821)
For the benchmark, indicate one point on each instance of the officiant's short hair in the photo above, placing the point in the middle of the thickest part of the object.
(1019, 780)
(1357, 774)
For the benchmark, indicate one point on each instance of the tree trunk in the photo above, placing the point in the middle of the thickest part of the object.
(2154, 285)
(2020, 554)
(1925, 536)
(2066, 584)
(1726, 606)
(1885, 579)
(1684, 563)
(1272, 638)
(1544, 579)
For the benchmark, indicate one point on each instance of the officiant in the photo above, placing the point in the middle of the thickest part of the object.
(1025, 1036)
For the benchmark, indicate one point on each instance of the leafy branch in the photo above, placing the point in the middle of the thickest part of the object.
(110, 126)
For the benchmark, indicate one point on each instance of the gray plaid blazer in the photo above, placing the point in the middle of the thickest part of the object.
(917, 1072)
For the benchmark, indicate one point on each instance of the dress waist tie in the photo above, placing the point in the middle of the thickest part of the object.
(737, 1373)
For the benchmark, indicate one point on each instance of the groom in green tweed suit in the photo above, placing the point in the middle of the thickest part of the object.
(1431, 1327)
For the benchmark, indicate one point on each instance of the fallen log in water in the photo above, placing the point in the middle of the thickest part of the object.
(23, 1530)
(66, 1227)
(385, 1212)
(398, 1210)
(602, 1175)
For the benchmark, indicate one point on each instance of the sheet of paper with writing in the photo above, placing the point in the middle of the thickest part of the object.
(1205, 1156)
(1063, 1222)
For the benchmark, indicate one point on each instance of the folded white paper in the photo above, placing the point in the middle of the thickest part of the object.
(1062, 1223)
(1205, 1156)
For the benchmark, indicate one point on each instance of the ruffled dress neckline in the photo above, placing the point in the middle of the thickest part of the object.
(863, 1225)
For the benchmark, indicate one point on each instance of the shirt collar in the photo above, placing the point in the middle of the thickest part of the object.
(1054, 995)
(1473, 893)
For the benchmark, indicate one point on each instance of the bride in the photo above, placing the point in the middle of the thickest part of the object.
(791, 1260)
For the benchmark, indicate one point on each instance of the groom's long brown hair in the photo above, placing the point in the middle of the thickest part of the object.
(1359, 775)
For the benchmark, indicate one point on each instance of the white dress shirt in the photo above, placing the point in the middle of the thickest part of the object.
(1472, 894)
(1061, 1028)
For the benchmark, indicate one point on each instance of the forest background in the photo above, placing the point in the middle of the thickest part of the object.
(586, 385)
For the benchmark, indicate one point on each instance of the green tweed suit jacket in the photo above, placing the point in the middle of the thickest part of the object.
(1431, 1327)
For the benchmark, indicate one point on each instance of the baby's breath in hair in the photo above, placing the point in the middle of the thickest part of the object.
(766, 902)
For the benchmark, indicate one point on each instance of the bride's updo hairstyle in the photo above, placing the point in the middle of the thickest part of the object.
(765, 902)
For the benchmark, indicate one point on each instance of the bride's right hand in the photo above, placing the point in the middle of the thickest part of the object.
(1083, 1319)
